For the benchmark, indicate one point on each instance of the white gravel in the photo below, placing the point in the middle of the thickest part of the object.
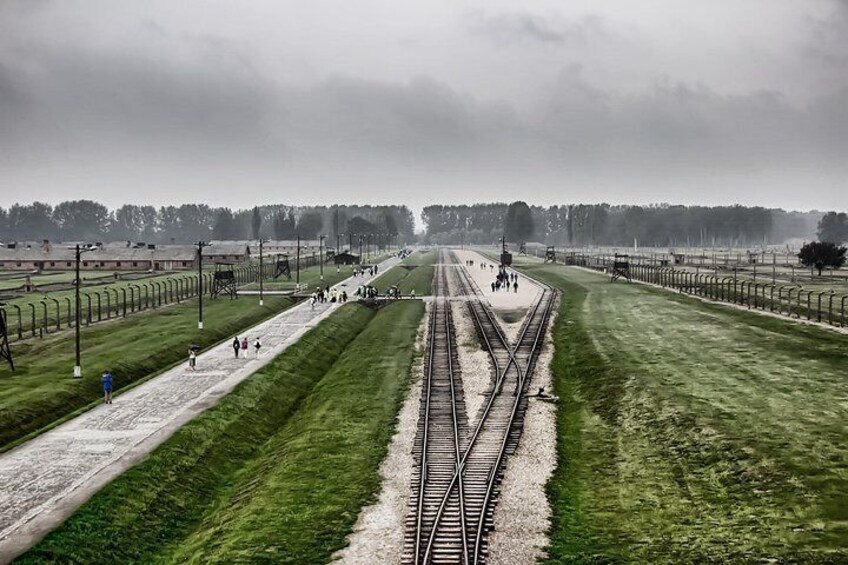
(378, 534)
(474, 361)
(522, 515)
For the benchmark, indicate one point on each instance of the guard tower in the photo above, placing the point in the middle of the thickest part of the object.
(506, 256)
(522, 248)
(550, 254)
(224, 281)
(620, 268)
(283, 267)
(5, 352)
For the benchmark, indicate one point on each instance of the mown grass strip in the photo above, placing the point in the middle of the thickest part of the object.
(693, 433)
(274, 473)
(42, 392)
(418, 279)
(147, 512)
(299, 499)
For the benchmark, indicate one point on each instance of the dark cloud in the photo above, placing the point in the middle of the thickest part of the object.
(192, 111)
(503, 28)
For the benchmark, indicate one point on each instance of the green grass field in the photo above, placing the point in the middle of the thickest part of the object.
(418, 279)
(42, 391)
(693, 433)
(276, 472)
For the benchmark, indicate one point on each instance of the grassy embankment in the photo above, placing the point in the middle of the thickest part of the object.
(418, 278)
(693, 433)
(41, 391)
(276, 472)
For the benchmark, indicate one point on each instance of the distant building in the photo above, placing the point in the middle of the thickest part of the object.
(345, 258)
(114, 257)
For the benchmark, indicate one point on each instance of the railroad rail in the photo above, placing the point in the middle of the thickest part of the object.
(457, 525)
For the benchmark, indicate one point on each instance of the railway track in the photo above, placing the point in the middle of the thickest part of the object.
(454, 528)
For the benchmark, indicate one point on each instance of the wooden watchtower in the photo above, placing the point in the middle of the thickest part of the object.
(620, 268)
(224, 281)
(283, 268)
(550, 254)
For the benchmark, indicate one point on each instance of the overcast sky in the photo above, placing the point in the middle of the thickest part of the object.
(241, 103)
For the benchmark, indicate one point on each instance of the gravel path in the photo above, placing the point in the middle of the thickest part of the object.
(378, 534)
(476, 365)
(522, 515)
(44, 480)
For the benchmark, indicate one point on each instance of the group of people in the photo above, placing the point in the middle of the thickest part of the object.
(367, 291)
(505, 280)
(322, 295)
(361, 271)
(241, 345)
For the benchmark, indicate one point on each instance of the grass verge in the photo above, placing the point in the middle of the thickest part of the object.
(41, 391)
(276, 472)
(418, 278)
(693, 433)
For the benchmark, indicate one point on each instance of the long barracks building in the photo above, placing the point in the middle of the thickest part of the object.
(45, 256)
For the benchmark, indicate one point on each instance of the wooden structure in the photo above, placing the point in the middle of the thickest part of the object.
(5, 352)
(550, 254)
(522, 248)
(346, 258)
(620, 268)
(283, 267)
(224, 281)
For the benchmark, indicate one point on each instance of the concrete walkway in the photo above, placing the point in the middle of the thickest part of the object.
(46, 479)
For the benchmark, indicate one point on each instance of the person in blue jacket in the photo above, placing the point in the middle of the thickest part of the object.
(107, 387)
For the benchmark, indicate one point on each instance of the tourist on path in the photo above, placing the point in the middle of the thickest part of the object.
(192, 359)
(107, 387)
(236, 346)
(256, 346)
(244, 346)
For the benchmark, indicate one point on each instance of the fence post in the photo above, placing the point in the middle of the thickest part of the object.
(88, 309)
(31, 305)
(20, 322)
(124, 293)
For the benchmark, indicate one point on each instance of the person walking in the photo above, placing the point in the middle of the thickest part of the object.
(244, 346)
(256, 346)
(515, 286)
(107, 387)
(236, 346)
(192, 359)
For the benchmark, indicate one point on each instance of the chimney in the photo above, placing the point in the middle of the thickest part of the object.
(45, 245)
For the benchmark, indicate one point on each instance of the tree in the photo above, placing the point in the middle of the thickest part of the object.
(833, 227)
(309, 225)
(82, 220)
(255, 223)
(225, 226)
(360, 226)
(821, 254)
(518, 224)
(284, 225)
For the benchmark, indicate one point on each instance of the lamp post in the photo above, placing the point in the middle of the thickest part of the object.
(321, 254)
(200, 246)
(297, 263)
(261, 273)
(78, 251)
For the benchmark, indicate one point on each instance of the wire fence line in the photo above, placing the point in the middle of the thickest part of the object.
(51, 315)
(789, 300)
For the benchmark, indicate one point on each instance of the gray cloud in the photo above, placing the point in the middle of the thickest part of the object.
(182, 112)
(523, 26)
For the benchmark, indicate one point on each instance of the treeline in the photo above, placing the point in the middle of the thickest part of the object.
(85, 220)
(604, 224)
